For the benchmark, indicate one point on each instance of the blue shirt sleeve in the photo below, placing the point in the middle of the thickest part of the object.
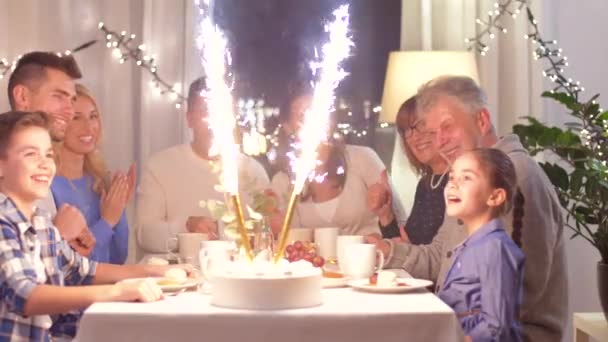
(103, 237)
(500, 274)
(120, 241)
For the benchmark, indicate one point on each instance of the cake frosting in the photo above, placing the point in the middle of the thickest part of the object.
(264, 285)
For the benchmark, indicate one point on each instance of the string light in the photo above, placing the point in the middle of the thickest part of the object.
(7, 67)
(594, 133)
(492, 24)
(548, 51)
(124, 48)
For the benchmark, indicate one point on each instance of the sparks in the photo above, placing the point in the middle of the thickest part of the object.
(316, 121)
(215, 59)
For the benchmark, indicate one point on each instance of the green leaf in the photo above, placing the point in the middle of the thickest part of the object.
(557, 175)
(591, 188)
(569, 101)
(549, 136)
(586, 215)
(596, 165)
(576, 180)
(591, 110)
(593, 98)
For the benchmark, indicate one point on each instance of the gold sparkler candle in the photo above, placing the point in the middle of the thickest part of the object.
(238, 209)
(215, 58)
(334, 52)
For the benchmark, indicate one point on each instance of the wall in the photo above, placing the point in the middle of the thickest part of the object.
(577, 26)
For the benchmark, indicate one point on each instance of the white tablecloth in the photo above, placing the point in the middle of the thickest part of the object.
(346, 315)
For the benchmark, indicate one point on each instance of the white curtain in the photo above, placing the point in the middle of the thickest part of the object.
(508, 73)
(136, 122)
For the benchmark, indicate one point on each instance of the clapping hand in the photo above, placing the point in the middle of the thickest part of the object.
(379, 199)
(114, 199)
(131, 180)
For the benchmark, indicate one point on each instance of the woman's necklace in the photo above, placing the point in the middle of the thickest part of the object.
(436, 185)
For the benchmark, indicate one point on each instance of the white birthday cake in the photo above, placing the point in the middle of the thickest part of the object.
(264, 285)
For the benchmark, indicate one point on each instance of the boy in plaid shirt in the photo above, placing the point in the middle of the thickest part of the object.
(35, 262)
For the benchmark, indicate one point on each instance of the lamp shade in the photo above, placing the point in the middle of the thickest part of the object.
(408, 70)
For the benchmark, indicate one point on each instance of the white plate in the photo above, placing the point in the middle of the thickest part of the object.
(412, 285)
(187, 284)
(328, 283)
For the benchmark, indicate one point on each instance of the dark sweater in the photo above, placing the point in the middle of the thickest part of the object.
(427, 213)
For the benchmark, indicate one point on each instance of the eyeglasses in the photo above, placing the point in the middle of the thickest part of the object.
(418, 127)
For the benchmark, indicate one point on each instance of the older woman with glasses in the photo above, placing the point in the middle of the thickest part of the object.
(429, 207)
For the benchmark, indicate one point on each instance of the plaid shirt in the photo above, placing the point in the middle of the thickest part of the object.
(33, 254)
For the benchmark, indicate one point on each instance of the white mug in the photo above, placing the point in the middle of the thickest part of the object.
(215, 256)
(300, 234)
(341, 243)
(325, 240)
(361, 260)
(187, 245)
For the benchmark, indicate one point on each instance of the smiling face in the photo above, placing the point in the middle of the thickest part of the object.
(55, 95)
(455, 129)
(83, 131)
(469, 194)
(415, 135)
(27, 166)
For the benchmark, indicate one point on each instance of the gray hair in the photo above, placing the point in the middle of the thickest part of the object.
(463, 88)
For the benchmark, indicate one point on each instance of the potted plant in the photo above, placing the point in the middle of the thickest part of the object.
(576, 159)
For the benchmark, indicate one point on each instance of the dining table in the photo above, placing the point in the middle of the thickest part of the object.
(346, 314)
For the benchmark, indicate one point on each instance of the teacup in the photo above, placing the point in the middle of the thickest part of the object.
(187, 245)
(215, 256)
(326, 240)
(341, 243)
(360, 260)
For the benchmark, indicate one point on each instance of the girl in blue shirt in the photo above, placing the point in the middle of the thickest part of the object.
(82, 180)
(485, 281)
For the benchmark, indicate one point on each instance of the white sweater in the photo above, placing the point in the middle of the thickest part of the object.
(173, 183)
(350, 214)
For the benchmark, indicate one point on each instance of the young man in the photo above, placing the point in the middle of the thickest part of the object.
(36, 262)
(43, 81)
(456, 112)
(175, 180)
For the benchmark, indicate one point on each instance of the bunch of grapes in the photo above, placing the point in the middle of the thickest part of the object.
(303, 251)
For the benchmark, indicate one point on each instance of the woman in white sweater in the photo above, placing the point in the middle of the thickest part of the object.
(339, 199)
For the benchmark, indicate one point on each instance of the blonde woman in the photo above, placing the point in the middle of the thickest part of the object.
(83, 181)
